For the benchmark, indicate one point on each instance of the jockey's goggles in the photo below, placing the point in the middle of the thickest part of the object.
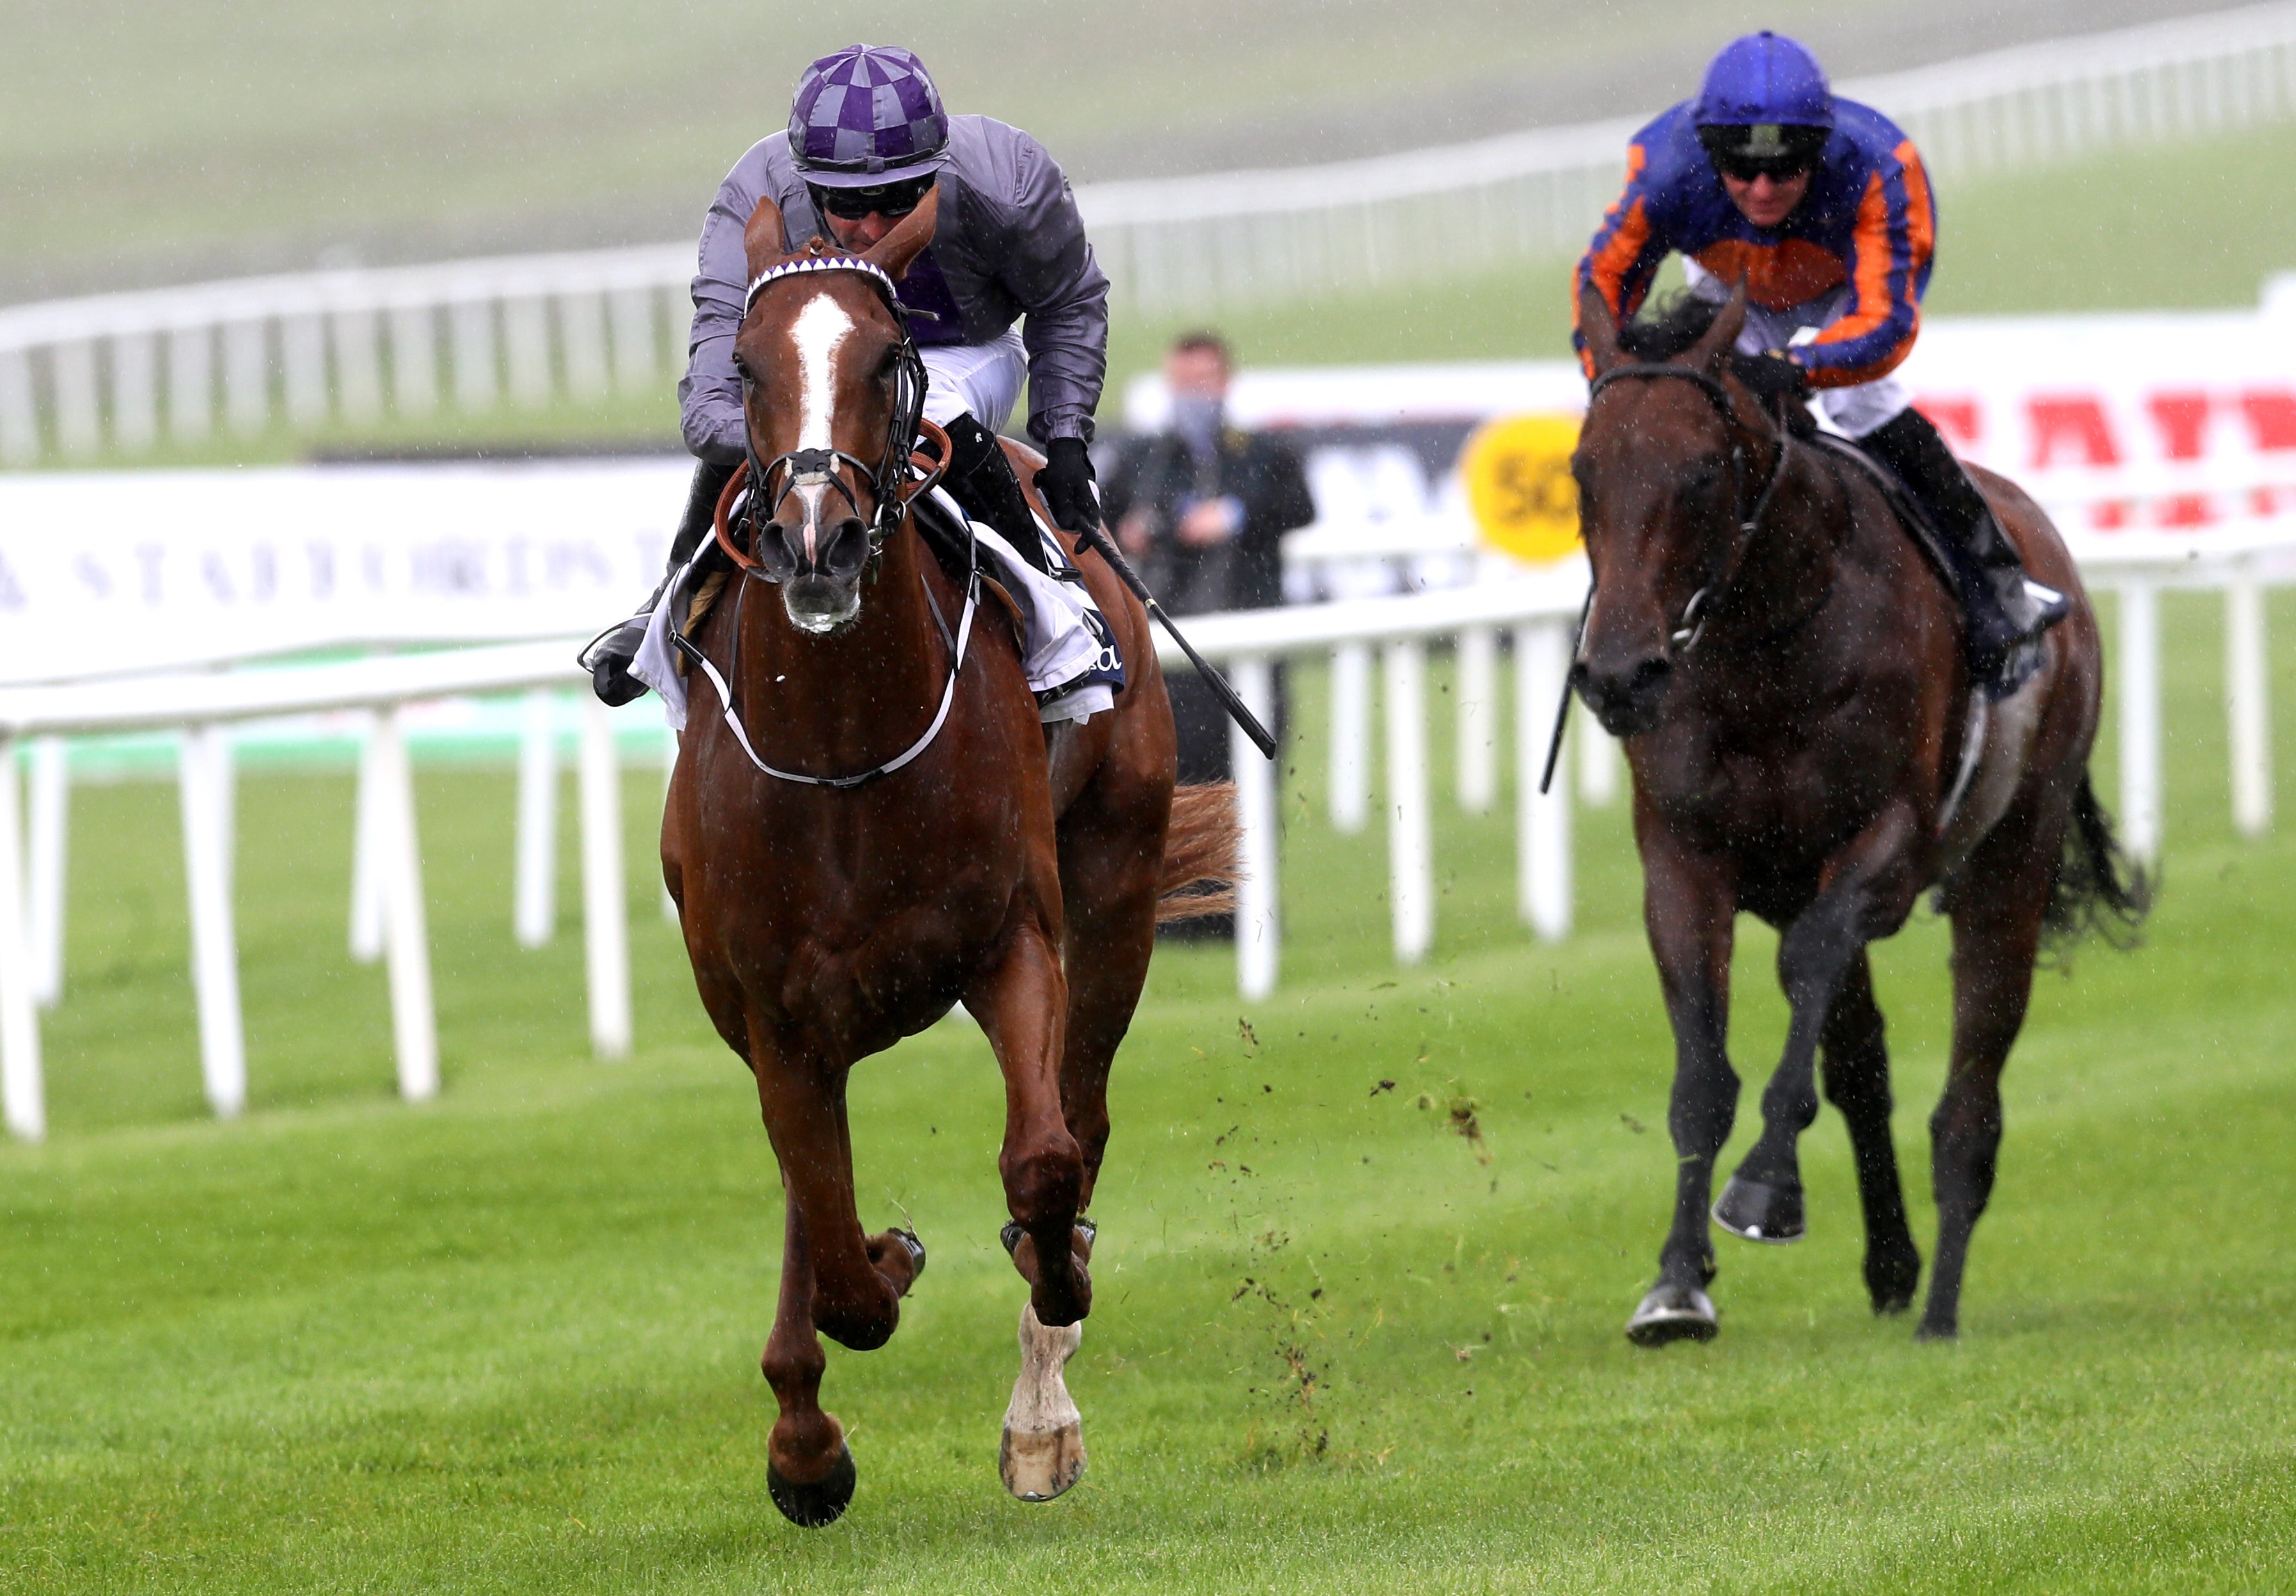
(1762, 151)
(892, 199)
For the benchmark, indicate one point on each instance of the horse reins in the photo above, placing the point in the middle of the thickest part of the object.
(901, 465)
(1691, 625)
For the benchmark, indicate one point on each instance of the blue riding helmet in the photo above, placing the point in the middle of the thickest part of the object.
(1765, 108)
(1765, 79)
(867, 117)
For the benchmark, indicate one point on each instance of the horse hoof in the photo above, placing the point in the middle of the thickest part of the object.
(1671, 1313)
(1929, 1331)
(1761, 1213)
(1042, 1453)
(914, 1248)
(824, 1501)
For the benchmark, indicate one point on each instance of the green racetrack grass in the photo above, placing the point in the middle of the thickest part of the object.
(508, 1341)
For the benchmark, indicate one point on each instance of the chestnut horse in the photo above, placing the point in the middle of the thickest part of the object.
(842, 880)
(1786, 669)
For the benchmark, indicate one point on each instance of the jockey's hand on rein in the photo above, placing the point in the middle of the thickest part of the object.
(1776, 380)
(1067, 484)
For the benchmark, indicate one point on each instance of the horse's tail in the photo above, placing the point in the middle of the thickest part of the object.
(1201, 844)
(2098, 888)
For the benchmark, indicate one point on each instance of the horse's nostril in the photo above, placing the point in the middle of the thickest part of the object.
(1649, 675)
(847, 547)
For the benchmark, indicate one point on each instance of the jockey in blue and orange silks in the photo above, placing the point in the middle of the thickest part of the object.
(1822, 207)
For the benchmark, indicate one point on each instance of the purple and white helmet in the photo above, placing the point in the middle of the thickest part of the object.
(865, 116)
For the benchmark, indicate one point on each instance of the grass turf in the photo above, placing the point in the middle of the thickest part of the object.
(507, 1341)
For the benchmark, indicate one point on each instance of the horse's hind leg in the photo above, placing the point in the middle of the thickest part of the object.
(1855, 1062)
(1997, 933)
(1868, 889)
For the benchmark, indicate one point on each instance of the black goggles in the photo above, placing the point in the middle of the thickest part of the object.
(1740, 153)
(895, 200)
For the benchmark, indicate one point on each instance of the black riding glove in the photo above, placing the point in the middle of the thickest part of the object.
(1068, 486)
(1776, 380)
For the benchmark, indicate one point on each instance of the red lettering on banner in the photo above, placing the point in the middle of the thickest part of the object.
(1958, 418)
(2080, 421)
(2271, 413)
(2183, 420)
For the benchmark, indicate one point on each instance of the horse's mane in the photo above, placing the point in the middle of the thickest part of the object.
(1667, 327)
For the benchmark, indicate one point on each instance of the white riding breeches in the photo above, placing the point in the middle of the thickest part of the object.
(984, 379)
(1855, 411)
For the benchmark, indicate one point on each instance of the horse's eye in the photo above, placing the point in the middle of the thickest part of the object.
(1702, 479)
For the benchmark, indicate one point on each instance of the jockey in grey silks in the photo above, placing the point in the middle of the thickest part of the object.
(867, 139)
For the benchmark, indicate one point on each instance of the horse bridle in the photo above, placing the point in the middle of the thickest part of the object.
(900, 465)
(808, 467)
(1691, 624)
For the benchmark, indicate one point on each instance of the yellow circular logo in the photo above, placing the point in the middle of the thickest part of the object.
(1517, 470)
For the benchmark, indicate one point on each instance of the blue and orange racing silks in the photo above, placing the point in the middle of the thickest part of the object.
(1869, 220)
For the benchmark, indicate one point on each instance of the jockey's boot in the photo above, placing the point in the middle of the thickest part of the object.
(2006, 609)
(981, 478)
(611, 653)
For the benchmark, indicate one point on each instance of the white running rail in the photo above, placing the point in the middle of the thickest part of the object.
(1538, 612)
(118, 372)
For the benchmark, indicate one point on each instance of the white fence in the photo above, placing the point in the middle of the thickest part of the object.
(387, 897)
(120, 370)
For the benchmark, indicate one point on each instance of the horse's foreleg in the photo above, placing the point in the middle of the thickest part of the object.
(1868, 891)
(1688, 905)
(1996, 933)
(1856, 1063)
(810, 1470)
(829, 1283)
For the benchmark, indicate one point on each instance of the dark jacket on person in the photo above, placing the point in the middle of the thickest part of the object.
(1162, 474)
(1009, 243)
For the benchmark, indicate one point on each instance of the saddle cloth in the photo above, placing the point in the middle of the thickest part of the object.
(1068, 652)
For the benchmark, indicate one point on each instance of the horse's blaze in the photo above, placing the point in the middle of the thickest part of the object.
(1042, 1449)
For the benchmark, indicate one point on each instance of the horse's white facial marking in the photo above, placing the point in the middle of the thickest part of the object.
(819, 329)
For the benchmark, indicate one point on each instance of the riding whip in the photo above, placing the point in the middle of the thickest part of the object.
(1237, 710)
(1562, 709)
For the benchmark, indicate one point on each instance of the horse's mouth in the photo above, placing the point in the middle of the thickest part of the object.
(819, 606)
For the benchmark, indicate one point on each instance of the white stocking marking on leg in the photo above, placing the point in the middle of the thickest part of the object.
(1042, 1453)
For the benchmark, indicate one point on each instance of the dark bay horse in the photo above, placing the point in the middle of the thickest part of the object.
(842, 880)
(1785, 667)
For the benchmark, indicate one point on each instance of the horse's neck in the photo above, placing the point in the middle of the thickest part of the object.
(1792, 555)
(844, 695)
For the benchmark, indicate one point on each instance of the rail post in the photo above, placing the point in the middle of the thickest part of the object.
(2140, 719)
(413, 1020)
(1542, 651)
(204, 784)
(1598, 764)
(366, 927)
(1350, 750)
(605, 898)
(534, 891)
(48, 836)
(1258, 927)
(1410, 838)
(21, 1095)
(1478, 688)
(2248, 704)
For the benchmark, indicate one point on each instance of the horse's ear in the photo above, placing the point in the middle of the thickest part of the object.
(898, 249)
(761, 239)
(1600, 329)
(1719, 339)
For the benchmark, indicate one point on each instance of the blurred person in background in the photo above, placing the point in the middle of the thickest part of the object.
(867, 139)
(1203, 508)
(1822, 208)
